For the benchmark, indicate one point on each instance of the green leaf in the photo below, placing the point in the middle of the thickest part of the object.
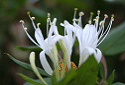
(68, 78)
(26, 48)
(27, 66)
(87, 73)
(53, 78)
(48, 81)
(30, 79)
(102, 71)
(111, 78)
(115, 41)
(118, 83)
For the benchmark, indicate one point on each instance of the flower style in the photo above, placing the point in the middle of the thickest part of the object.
(89, 37)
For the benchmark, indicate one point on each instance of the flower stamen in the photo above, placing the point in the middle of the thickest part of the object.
(38, 24)
(66, 69)
(22, 22)
(75, 11)
(90, 19)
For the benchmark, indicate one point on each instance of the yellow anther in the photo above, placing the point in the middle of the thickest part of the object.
(75, 9)
(101, 23)
(81, 14)
(91, 13)
(112, 15)
(98, 12)
(25, 28)
(22, 21)
(33, 18)
(106, 15)
(48, 15)
(28, 13)
(38, 24)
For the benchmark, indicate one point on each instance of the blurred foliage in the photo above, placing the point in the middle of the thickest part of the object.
(12, 11)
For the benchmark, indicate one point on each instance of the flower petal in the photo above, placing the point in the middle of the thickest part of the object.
(39, 38)
(98, 55)
(86, 52)
(45, 63)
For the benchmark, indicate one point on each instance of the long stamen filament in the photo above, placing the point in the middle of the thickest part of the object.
(90, 19)
(48, 21)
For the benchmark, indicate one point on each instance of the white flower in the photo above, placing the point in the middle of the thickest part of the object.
(90, 36)
(45, 44)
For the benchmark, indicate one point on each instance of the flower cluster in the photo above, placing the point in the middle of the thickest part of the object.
(88, 37)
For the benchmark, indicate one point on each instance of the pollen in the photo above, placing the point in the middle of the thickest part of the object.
(66, 69)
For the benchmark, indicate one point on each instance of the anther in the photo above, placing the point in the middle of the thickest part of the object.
(25, 28)
(91, 13)
(97, 17)
(48, 15)
(76, 20)
(75, 9)
(94, 19)
(112, 18)
(106, 15)
(112, 15)
(28, 13)
(33, 18)
(98, 12)
(101, 23)
(38, 24)
(48, 19)
(90, 19)
(22, 21)
(81, 14)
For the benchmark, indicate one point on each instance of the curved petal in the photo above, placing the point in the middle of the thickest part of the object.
(39, 38)
(86, 52)
(45, 63)
(98, 55)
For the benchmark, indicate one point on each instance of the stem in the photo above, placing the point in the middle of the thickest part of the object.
(105, 66)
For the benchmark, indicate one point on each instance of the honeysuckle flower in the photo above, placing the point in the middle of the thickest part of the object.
(90, 36)
(45, 44)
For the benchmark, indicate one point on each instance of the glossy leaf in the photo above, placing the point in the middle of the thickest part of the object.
(118, 83)
(87, 73)
(68, 77)
(53, 78)
(26, 48)
(48, 81)
(27, 66)
(30, 79)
